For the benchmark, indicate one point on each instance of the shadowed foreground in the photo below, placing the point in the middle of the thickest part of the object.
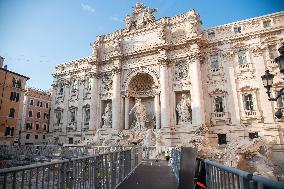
(151, 175)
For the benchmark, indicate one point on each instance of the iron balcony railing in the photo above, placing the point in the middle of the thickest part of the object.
(100, 171)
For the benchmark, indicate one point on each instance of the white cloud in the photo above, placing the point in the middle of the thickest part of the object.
(115, 18)
(87, 7)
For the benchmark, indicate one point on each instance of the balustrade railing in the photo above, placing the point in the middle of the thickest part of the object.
(100, 171)
(218, 176)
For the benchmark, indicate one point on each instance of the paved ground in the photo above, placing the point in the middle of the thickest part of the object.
(151, 175)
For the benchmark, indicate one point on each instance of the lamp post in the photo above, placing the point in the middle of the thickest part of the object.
(267, 80)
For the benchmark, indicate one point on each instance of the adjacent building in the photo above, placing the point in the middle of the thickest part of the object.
(12, 89)
(35, 117)
(171, 75)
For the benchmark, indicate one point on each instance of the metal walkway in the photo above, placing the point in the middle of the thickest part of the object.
(151, 175)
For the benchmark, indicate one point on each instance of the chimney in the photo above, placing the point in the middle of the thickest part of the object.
(1, 61)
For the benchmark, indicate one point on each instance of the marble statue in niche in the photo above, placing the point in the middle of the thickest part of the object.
(183, 109)
(140, 114)
(107, 116)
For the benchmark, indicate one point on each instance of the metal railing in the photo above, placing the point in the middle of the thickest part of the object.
(218, 176)
(100, 171)
(175, 162)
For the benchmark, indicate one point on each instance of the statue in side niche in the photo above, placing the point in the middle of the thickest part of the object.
(107, 116)
(183, 109)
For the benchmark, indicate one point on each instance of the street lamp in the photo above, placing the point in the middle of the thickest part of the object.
(267, 80)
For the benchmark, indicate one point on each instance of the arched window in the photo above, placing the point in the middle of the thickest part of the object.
(12, 112)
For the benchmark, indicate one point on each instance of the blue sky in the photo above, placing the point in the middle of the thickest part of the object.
(36, 35)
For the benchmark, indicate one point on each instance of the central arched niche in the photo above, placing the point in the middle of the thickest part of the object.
(142, 86)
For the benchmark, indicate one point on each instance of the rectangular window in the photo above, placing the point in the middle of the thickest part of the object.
(30, 113)
(28, 136)
(214, 62)
(72, 116)
(37, 103)
(12, 112)
(242, 57)
(237, 29)
(219, 104)
(37, 126)
(40, 104)
(29, 126)
(267, 23)
(38, 115)
(272, 51)
(248, 101)
(14, 96)
(45, 115)
(222, 139)
(43, 137)
(46, 105)
(36, 137)
(70, 140)
(58, 117)
(253, 135)
(44, 127)
(31, 102)
(211, 35)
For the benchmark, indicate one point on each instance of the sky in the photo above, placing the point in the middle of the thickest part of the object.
(36, 35)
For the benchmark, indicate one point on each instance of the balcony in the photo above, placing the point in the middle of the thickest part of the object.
(250, 115)
(72, 126)
(220, 117)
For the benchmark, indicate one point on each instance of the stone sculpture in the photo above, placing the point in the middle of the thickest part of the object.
(183, 108)
(107, 116)
(140, 114)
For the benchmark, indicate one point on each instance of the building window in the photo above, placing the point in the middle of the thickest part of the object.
(267, 23)
(31, 102)
(44, 127)
(86, 115)
(16, 83)
(211, 35)
(237, 29)
(58, 117)
(219, 104)
(28, 136)
(70, 140)
(30, 113)
(9, 131)
(222, 139)
(37, 126)
(46, 105)
(36, 137)
(272, 51)
(75, 85)
(38, 115)
(37, 103)
(43, 137)
(253, 135)
(89, 84)
(29, 126)
(14, 96)
(40, 104)
(248, 101)
(72, 115)
(242, 57)
(214, 62)
(60, 92)
(45, 115)
(12, 112)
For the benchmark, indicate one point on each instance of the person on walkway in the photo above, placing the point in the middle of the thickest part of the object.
(167, 155)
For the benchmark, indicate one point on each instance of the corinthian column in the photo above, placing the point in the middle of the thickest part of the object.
(157, 111)
(196, 93)
(116, 97)
(165, 100)
(94, 103)
(126, 112)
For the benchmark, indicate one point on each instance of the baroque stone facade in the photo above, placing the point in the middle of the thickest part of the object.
(171, 76)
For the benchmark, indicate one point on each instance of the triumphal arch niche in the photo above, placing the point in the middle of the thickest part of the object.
(149, 74)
